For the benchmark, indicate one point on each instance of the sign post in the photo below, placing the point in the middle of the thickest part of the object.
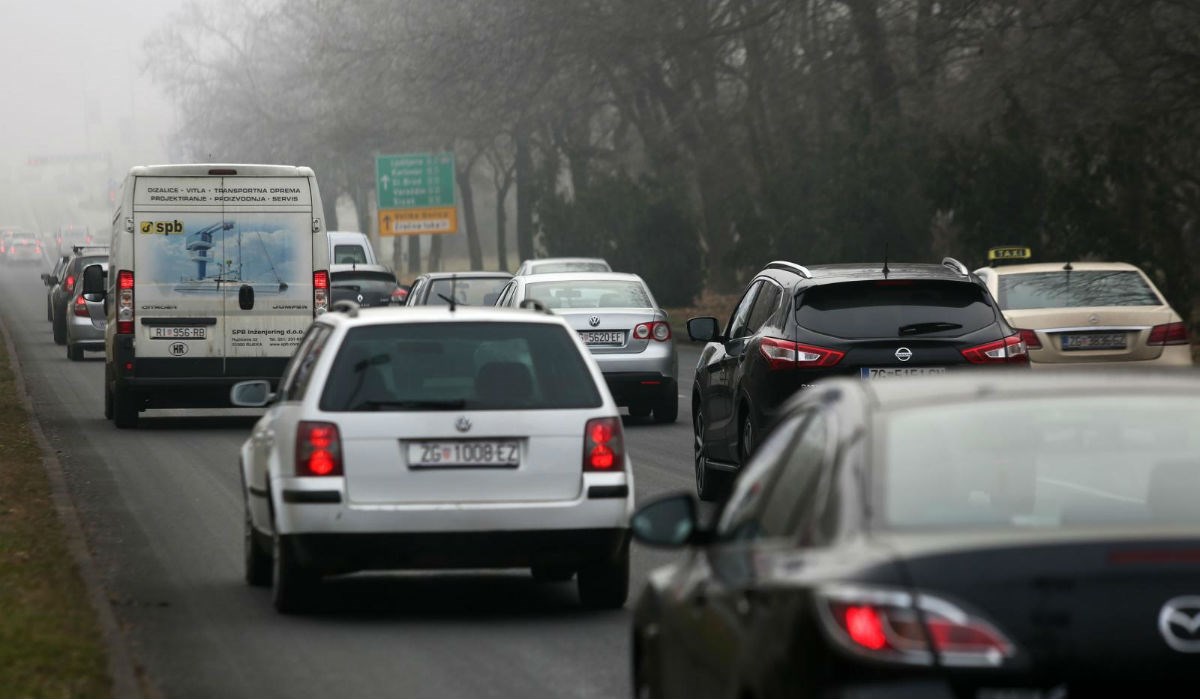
(415, 194)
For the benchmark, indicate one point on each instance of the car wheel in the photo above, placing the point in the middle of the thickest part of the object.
(667, 409)
(294, 586)
(75, 353)
(605, 584)
(258, 562)
(707, 487)
(746, 438)
(49, 311)
(59, 327)
(124, 408)
(552, 573)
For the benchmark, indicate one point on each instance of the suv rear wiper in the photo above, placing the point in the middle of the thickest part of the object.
(922, 328)
(410, 404)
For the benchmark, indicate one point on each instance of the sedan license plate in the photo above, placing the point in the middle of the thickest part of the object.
(482, 453)
(594, 337)
(889, 372)
(1093, 341)
(178, 333)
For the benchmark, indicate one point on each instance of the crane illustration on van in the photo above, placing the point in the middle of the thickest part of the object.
(199, 245)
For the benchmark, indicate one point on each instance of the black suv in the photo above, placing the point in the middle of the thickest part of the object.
(795, 325)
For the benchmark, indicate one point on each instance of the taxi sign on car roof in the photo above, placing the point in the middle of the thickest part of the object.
(1009, 252)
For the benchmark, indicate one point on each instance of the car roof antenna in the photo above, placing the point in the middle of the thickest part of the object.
(453, 292)
(886, 271)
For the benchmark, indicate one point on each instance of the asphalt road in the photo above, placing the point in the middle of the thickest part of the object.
(162, 510)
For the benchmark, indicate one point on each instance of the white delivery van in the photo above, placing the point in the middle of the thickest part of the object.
(215, 273)
(351, 248)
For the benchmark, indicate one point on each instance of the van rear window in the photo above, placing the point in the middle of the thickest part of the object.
(458, 366)
(895, 308)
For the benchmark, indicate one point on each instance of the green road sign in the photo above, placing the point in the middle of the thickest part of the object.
(414, 180)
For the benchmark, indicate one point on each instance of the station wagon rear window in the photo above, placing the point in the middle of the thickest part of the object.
(1062, 289)
(459, 366)
(895, 308)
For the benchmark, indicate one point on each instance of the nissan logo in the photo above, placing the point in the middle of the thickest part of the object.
(904, 354)
(462, 424)
(594, 321)
(1179, 623)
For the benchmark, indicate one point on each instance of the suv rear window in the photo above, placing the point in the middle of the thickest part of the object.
(458, 366)
(1064, 289)
(895, 308)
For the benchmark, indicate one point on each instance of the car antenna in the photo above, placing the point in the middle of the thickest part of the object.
(886, 271)
(453, 292)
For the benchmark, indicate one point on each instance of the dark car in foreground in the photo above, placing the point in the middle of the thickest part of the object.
(987, 534)
(795, 325)
(365, 284)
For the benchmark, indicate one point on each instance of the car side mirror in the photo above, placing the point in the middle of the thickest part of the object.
(703, 329)
(251, 394)
(669, 522)
(93, 283)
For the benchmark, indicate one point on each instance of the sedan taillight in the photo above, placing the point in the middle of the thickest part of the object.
(603, 445)
(658, 330)
(785, 354)
(1168, 334)
(318, 449)
(1010, 350)
(892, 625)
(1030, 338)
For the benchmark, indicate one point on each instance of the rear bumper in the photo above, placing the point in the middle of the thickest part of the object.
(185, 382)
(637, 387)
(1172, 356)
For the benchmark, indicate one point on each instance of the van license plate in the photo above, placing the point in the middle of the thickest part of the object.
(888, 372)
(176, 333)
(481, 453)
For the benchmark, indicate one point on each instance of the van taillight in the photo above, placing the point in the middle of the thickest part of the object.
(318, 449)
(125, 302)
(603, 445)
(320, 292)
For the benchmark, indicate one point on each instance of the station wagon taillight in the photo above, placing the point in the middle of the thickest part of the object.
(892, 625)
(320, 292)
(1168, 334)
(786, 354)
(1010, 350)
(318, 449)
(603, 445)
(125, 302)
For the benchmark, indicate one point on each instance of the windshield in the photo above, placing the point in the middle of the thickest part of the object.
(1042, 462)
(459, 366)
(1064, 289)
(559, 267)
(465, 291)
(895, 308)
(590, 294)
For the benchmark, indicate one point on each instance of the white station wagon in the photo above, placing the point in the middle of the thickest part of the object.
(422, 438)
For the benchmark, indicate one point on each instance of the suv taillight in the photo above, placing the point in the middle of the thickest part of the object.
(1168, 334)
(318, 449)
(125, 302)
(603, 445)
(320, 292)
(658, 330)
(891, 625)
(80, 308)
(1010, 350)
(1030, 338)
(785, 354)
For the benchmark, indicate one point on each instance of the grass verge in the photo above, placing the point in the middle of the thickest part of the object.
(50, 643)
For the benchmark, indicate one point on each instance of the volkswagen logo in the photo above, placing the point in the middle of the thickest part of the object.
(904, 354)
(462, 424)
(1179, 623)
(594, 321)
(178, 349)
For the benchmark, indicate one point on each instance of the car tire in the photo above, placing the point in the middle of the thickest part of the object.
(124, 408)
(552, 573)
(49, 311)
(294, 587)
(258, 563)
(605, 584)
(74, 353)
(707, 486)
(666, 410)
(746, 434)
(59, 327)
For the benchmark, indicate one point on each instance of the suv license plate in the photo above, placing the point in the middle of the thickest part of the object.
(178, 333)
(1093, 341)
(888, 372)
(602, 338)
(483, 453)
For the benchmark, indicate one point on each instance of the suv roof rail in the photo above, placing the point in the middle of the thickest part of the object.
(956, 266)
(345, 306)
(791, 267)
(535, 305)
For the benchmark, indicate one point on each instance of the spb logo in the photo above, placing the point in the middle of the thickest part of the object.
(162, 227)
